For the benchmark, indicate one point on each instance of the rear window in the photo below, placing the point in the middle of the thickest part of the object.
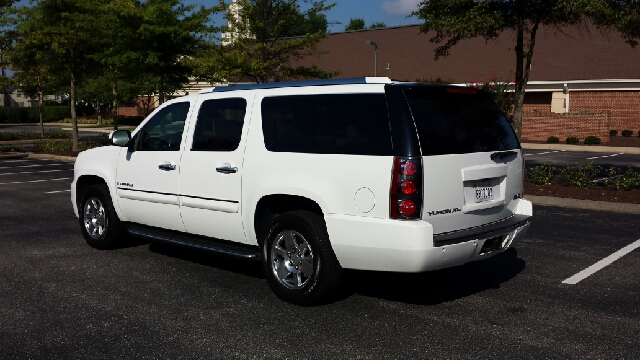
(356, 124)
(459, 121)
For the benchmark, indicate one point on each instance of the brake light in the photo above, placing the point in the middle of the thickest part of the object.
(407, 207)
(405, 194)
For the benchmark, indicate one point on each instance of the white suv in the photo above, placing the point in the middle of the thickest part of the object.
(313, 177)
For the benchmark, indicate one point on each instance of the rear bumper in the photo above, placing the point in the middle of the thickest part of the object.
(410, 246)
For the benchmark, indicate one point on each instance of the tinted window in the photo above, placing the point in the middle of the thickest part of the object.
(327, 124)
(459, 121)
(163, 132)
(219, 125)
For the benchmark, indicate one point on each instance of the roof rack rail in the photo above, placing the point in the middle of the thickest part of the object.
(275, 85)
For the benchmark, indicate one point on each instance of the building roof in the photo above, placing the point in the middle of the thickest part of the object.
(405, 54)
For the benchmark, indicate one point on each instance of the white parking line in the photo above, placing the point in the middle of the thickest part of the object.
(27, 166)
(35, 172)
(546, 152)
(605, 156)
(55, 192)
(602, 263)
(34, 181)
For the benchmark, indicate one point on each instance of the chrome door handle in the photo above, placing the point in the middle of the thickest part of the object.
(166, 167)
(227, 169)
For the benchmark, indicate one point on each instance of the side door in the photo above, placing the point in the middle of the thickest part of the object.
(211, 174)
(148, 172)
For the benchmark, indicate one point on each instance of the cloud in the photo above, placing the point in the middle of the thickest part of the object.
(400, 7)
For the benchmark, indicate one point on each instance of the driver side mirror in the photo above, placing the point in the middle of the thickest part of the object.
(120, 137)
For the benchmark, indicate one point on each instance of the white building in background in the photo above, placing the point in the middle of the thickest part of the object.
(14, 98)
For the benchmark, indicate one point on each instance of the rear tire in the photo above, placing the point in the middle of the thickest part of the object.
(297, 258)
(99, 223)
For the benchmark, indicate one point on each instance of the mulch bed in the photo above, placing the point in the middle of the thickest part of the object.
(615, 141)
(583, 193)
(633, 141)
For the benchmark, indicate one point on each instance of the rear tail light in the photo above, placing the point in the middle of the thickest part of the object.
(406, 189)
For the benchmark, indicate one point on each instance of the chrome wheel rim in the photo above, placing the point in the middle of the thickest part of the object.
(95, 219)
(291, 259)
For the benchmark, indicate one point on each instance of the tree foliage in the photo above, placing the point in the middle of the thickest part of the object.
(258, 44)
(355, 24)
(377, 24)
(454, 20)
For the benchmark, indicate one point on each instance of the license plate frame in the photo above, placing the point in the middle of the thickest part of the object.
(482, 191)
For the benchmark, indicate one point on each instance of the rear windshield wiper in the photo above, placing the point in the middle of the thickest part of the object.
(502, 154)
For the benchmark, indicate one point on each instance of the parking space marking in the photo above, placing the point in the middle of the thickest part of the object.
(13, 161)
(546, 152)
(605, 156)
(27, 166)
(35, 172)
(55, 192)
(602, 264)
(34, 181)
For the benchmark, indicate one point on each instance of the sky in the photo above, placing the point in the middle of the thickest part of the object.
(390, 12)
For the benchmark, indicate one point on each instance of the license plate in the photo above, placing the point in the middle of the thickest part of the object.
(483, 191)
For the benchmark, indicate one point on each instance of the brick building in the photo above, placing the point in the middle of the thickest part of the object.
(583, 81)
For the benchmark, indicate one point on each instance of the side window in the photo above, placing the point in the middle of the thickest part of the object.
(356, 124)
(219, 126)
(163, 132)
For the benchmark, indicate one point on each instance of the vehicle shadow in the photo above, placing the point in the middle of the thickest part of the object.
(434, 287)
(249, 268)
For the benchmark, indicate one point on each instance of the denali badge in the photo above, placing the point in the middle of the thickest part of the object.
(125, 184)
(445, 211)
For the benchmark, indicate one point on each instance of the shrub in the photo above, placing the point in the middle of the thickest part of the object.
(618, 181)
(542, 174)
(613, 132)
(552, 140)
(580, 174)
(572, 140)
(32, 114)
(52, 145)
(592, 140)
(627, 133)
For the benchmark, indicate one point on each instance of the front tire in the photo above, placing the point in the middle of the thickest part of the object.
(297, 258)
(99, 223)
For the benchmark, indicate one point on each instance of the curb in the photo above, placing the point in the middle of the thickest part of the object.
(624, 208)
(13, 156)
(598, 149)
(51, 157)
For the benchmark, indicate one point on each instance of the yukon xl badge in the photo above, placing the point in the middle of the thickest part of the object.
(445, 211)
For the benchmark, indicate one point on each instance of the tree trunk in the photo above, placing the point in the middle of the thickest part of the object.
(115, 106)
(160, 91)
(40, 106)
(72, 102)
(519, 85)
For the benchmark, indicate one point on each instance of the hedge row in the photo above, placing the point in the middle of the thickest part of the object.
(32, 114)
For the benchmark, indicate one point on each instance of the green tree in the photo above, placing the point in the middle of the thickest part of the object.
(7, 35)
(257, 45)
(170, 33)
(63, 33)
(455, 20)
(355, 24)
(31, 59)
(377, 24)
(622, 15)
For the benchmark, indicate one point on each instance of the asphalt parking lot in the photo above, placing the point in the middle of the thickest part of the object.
(59, 298)
(561, 157)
